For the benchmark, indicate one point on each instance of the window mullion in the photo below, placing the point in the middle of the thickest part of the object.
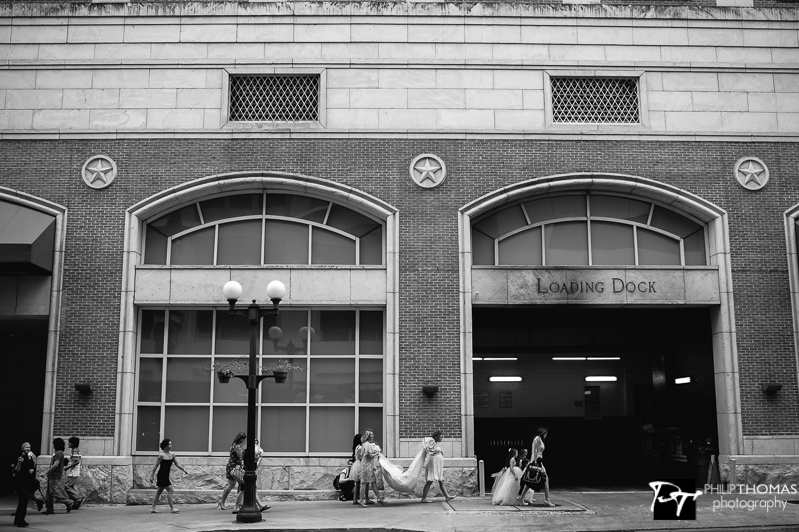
(163, 374)
(588, 228)
(543, 244)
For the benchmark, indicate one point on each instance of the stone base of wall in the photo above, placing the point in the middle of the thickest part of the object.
(126, 480)
(753, 470)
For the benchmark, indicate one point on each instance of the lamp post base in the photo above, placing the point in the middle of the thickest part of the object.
(249, 516)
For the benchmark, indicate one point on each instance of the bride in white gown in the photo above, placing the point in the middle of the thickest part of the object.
(506, 483)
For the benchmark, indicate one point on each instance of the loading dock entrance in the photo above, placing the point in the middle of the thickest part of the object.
(654, 413)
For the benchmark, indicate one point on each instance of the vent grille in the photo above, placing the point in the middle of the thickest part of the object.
(595, 100)
(274, 98)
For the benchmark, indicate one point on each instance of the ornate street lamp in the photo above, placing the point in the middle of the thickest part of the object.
(249, 512)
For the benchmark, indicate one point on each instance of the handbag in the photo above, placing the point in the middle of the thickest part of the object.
(238, 474)
(533, 474)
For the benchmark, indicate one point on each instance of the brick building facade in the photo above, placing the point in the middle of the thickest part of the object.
(146, 87)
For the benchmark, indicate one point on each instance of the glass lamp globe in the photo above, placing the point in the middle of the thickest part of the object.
(275, 290)
(231, 290)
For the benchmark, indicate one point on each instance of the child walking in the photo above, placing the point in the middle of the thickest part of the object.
(163, 464)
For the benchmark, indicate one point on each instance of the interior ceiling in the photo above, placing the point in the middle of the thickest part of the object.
(22, 325)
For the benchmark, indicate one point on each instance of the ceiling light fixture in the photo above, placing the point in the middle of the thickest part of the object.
(682, 380)
(598, 378)
(505, 379)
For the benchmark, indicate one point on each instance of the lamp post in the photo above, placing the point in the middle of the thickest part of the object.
(249, 512)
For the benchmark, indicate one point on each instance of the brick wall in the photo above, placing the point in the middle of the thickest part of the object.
(429, 319)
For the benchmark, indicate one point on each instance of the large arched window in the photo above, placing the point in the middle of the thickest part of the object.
(263, 228)
(587, 230)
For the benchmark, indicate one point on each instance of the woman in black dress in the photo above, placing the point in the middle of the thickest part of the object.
(24, 475)
(163, 465)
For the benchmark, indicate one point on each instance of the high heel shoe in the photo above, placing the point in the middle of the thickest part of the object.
(220, 507)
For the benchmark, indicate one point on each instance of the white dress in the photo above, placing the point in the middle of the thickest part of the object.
(434, 468)
(506, 485)
(405, 480)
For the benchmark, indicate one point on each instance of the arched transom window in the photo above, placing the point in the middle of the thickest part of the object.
(590, 230)
(263, 228)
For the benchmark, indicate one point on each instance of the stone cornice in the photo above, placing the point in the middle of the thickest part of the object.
(676, 15)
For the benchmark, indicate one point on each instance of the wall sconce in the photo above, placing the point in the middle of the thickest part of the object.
(771, 388)
(429, 391)
(84, 388)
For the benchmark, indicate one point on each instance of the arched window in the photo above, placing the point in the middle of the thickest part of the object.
(587, 230)
(263, 228)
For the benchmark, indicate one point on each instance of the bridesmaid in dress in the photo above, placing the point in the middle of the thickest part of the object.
(369, 451)
(163, 465)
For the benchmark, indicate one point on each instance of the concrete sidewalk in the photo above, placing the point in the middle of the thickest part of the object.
(576, 511)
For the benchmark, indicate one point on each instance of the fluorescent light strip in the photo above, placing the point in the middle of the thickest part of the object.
(505, 379)
(682, 380)
(600, 379)
(586, 358)
(499, 358)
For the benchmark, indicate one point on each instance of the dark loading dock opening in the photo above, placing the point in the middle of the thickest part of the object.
(24, 357)
(602, 434)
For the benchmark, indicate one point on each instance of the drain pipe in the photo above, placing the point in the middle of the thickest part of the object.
(481, 477)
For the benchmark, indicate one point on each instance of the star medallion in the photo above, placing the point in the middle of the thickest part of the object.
(751, 173)
(99, 171)
(428, 171)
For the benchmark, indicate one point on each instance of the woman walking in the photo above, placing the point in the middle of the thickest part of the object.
(434, 468)
(163, 465)
(539, 482)
(507, 481)
(369, 451)
(234, 471)
(354, 473)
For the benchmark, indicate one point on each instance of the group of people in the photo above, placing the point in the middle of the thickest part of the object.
(234, 474)
(517, 482)
(368, 468)
(61, 476)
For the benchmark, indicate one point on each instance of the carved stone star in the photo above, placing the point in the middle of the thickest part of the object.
(98, 170)
(751, 173)
(427, 171)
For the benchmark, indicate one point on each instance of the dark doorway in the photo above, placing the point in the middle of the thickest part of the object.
(645, 423)
(23, 350)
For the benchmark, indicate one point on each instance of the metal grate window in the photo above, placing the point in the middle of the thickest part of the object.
(595, 100)
(274, 98)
